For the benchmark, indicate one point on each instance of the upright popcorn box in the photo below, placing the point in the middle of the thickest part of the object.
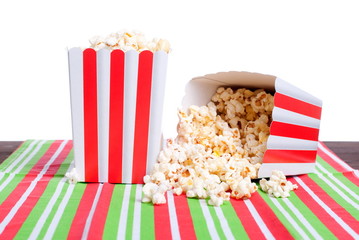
(293, 140)
(116, 104)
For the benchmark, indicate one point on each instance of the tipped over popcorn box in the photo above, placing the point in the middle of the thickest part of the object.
(294, 130)
(117, 103)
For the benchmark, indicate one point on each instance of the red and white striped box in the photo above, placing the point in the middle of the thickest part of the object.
(292, 144)
(116, 104)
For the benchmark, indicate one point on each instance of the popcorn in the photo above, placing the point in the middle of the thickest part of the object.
(128, 41)
(218, 150)
(277, 186)
(73, 176)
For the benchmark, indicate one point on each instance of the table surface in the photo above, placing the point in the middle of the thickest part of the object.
(347, 151)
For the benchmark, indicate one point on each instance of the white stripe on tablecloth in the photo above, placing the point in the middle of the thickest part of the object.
(60, 210)
(21, 166)
(207, 215)
(262, 226)
(224, 224)
(173, 216)
(303, 235)
(335, 158)
(136, 230)
(302, 219)
(337, 181)
(340, 221)
(92, 212)
(31, 187)
(40, 223)
(129, 113)
(122, 225)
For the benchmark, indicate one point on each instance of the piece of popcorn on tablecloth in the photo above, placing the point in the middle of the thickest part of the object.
(72, 176)
(277, 185)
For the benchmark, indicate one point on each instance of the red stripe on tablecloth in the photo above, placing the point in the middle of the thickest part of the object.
(352, 177)
(273, 223)
(320, 212)
(90, 115)
(289, 156)
(184, 218)
(116, 116)
(294, 131)
(143, 103)
(296, 105)
(99, 218)
(330, 160)
(162, 221)
(83, 210)
(247, 220)
(23, 212)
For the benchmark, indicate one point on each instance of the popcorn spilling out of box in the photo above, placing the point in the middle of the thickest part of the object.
(117, 94)
(229, 134)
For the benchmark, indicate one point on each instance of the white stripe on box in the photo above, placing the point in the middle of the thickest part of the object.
(136, 229)
(122, 224)
(302, 219)
(262, 226)
(224, 223)
(207, 215)
(335, 158)
(285, 116)
(286, 143)
(103, 110)
(288, 89)
(287, 168)
(30, 188)
(129, 113)
(77, 111)
(173, 216)
(92, 212)
(340, 221)
(303, 235)
(156, 107)
(45, 214)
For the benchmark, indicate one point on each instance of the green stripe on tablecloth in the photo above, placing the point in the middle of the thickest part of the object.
(336, 196)
(44, 200)
(325, 165)
(69, 212)
(6, 163)
(113, 215)
(131, 208)
(66, 164)
(147, 221)
(311, 217)
(216, 221)
(234, 223)
(17, 179)
(293, 231)
(199, 221)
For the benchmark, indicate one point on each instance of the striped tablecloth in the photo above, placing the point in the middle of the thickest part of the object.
(36, 202)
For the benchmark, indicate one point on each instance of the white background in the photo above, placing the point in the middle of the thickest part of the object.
(312, 44)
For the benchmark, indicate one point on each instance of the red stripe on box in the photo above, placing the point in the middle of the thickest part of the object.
(83, 211)
(90, 115)
(296, 105)
(117, 73)
(327, 219)
(245, 216)
(184, 218)
(100, 215)
(293, 131)
(143, 103)
(162, 221)
(289, 156)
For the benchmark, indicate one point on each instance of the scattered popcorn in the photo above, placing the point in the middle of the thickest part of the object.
(218, 150)
(129, 41)
(277, 186)
(72, 176)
